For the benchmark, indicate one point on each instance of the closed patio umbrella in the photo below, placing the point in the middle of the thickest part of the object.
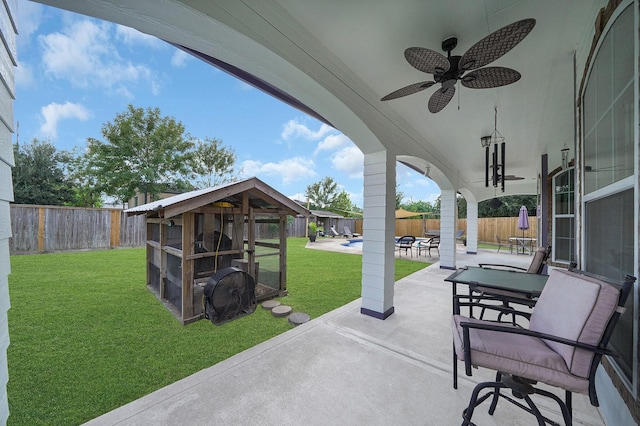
(523, 221)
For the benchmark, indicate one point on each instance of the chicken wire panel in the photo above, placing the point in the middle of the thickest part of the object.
(154, 277)
(269, 270)
(173, 281)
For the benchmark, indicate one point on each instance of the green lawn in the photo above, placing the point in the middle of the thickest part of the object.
(88, 337)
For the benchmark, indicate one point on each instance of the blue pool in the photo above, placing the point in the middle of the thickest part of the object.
(355, 243)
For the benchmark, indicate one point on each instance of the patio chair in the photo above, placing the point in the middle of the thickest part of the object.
(333, 231)
(405, 243)
(540, 259)
(502, 242)
(536, 267)
(562, 347)
(348, 234)
(427, 245)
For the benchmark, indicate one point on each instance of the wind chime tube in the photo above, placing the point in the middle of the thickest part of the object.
(495, 165)
(502, 170)
(486, 167)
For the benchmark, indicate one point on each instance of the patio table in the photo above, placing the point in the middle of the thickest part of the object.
(524, 243)
(527, 286)
(506, 284)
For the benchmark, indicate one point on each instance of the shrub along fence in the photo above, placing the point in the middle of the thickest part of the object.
(42, 229)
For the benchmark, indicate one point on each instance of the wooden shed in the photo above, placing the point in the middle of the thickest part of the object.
(191, 236)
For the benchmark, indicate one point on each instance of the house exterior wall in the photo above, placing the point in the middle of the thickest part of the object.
(8, 59)
(618, 396)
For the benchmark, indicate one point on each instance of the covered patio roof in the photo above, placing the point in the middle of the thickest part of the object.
(340, 58)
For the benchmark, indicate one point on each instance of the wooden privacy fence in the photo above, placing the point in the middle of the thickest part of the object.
(42, 229)
(488, 228)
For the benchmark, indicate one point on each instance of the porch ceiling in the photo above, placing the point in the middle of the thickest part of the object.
(340, 57)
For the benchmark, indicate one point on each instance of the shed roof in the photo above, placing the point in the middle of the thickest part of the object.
(259, 195)
(324, 213)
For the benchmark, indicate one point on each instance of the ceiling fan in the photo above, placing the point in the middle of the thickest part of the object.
(466, 68)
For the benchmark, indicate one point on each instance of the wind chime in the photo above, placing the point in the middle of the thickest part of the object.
(494, 166)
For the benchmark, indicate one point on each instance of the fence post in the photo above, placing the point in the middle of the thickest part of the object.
(114, 237)
(41, 223)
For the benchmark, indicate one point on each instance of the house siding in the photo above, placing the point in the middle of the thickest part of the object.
(8, 60)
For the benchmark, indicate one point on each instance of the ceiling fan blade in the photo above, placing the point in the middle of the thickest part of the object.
(441, 98)
(408, 90)
(486, 78)
(496, 44)
(427, 60)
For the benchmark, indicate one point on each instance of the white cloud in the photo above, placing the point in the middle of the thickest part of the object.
(55, 112)
(28, 20)
(180, 58)
(132, 37)
(24, 75)
(349, 160)
(298, 196)
(332, 142)
(84, 55)
(289, 170)
(293, 128)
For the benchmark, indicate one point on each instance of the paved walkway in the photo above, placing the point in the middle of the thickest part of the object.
(344, 368)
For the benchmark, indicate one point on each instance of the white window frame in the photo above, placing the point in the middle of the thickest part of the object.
(630, 182)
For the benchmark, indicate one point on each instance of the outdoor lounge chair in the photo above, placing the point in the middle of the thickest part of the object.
(568, 333)
(427, 245)
(405, 243)
(333, 232)
(348, 234)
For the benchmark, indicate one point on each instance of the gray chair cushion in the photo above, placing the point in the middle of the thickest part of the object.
(577, 308)
(504, 352)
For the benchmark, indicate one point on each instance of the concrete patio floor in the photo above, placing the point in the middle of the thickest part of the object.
(345, 368)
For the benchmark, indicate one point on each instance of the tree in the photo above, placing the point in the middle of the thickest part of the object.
(342, 204)
(399, 198)
(213, 162)
(322, 194)
(509, 206)
(142, 151)
(87, 191)
(419, 206)
(38, 175)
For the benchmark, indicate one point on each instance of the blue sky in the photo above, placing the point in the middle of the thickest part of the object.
(76, 73)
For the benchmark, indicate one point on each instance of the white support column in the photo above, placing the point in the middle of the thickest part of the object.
(448, 220)
(472, 227)
(378, 232)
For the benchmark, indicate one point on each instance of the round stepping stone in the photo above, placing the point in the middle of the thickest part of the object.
(270, 304)
(298, 318)
(281, 311)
